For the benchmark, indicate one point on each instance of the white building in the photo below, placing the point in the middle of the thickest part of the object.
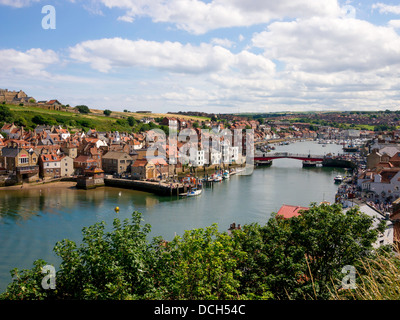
(196, 157)
(215, 157)
(383, 239)
(383, 184)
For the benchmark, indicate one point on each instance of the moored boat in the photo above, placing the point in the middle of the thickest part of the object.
(338, 179)
(194, 192)
(226, 174)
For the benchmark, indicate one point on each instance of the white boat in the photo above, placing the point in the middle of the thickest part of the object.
(217, 178)
(194, 192)
(338, 178)
(226, 174)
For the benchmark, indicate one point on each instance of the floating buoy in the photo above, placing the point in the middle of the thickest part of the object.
(116, 209)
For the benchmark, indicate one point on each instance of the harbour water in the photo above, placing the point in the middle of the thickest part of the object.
(32, 221)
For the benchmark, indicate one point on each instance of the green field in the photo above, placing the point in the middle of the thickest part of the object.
(30, 117)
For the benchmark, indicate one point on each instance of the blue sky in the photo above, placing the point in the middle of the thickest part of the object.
(213, 56)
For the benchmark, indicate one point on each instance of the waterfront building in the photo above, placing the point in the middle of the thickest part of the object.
(117, 162)
(20, 163)
(196, 157)
(144, 169)
(91, 178)
(49, 166)
(67, 166)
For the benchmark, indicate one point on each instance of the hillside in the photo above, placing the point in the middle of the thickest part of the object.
(29, 117)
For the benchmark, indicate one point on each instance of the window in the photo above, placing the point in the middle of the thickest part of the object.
(23, 160)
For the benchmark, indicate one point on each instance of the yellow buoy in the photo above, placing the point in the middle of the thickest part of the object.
(116, 209)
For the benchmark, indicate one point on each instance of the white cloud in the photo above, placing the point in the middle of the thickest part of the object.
(107, 55)
(330, 45)
(32, 62)
(199, 17)
(125, 18)
(17, 3)
(394, 24)
(223, 42)
(385, 8)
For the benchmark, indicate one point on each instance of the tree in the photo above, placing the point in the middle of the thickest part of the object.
(202, 265)
(6, 114)
(83, 109)
(297, 258)
(107, 265)
(131, 121)
(39, 119)
(107, 112)
(301, 257)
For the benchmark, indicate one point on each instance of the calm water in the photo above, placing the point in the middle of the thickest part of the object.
(32, 221)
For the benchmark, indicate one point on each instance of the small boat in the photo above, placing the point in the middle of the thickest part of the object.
(338, 178)
(217, 178)
(194, 192)
(226, 174)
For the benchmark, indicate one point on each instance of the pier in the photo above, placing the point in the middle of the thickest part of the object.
(159, 188)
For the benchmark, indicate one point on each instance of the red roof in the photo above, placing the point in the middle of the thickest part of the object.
(288, 211)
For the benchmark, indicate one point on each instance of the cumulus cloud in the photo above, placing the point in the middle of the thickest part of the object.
(32, 62)
(106, 55)
(330, 45)
(199, 17)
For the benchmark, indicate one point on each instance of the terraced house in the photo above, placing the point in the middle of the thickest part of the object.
(50, 166)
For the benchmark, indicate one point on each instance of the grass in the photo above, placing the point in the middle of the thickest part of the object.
(95, 119)
(377, 278)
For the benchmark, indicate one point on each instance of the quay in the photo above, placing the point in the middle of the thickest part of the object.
(159, 188)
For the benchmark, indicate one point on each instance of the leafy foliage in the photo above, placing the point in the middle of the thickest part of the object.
(297, 258)
(83, 109)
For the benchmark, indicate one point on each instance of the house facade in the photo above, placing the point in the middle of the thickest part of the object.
(67, 166)
(50, 166)
(116, 162)
(144, 169)
(20, 162)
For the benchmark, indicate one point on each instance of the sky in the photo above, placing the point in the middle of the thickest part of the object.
(215, 56)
